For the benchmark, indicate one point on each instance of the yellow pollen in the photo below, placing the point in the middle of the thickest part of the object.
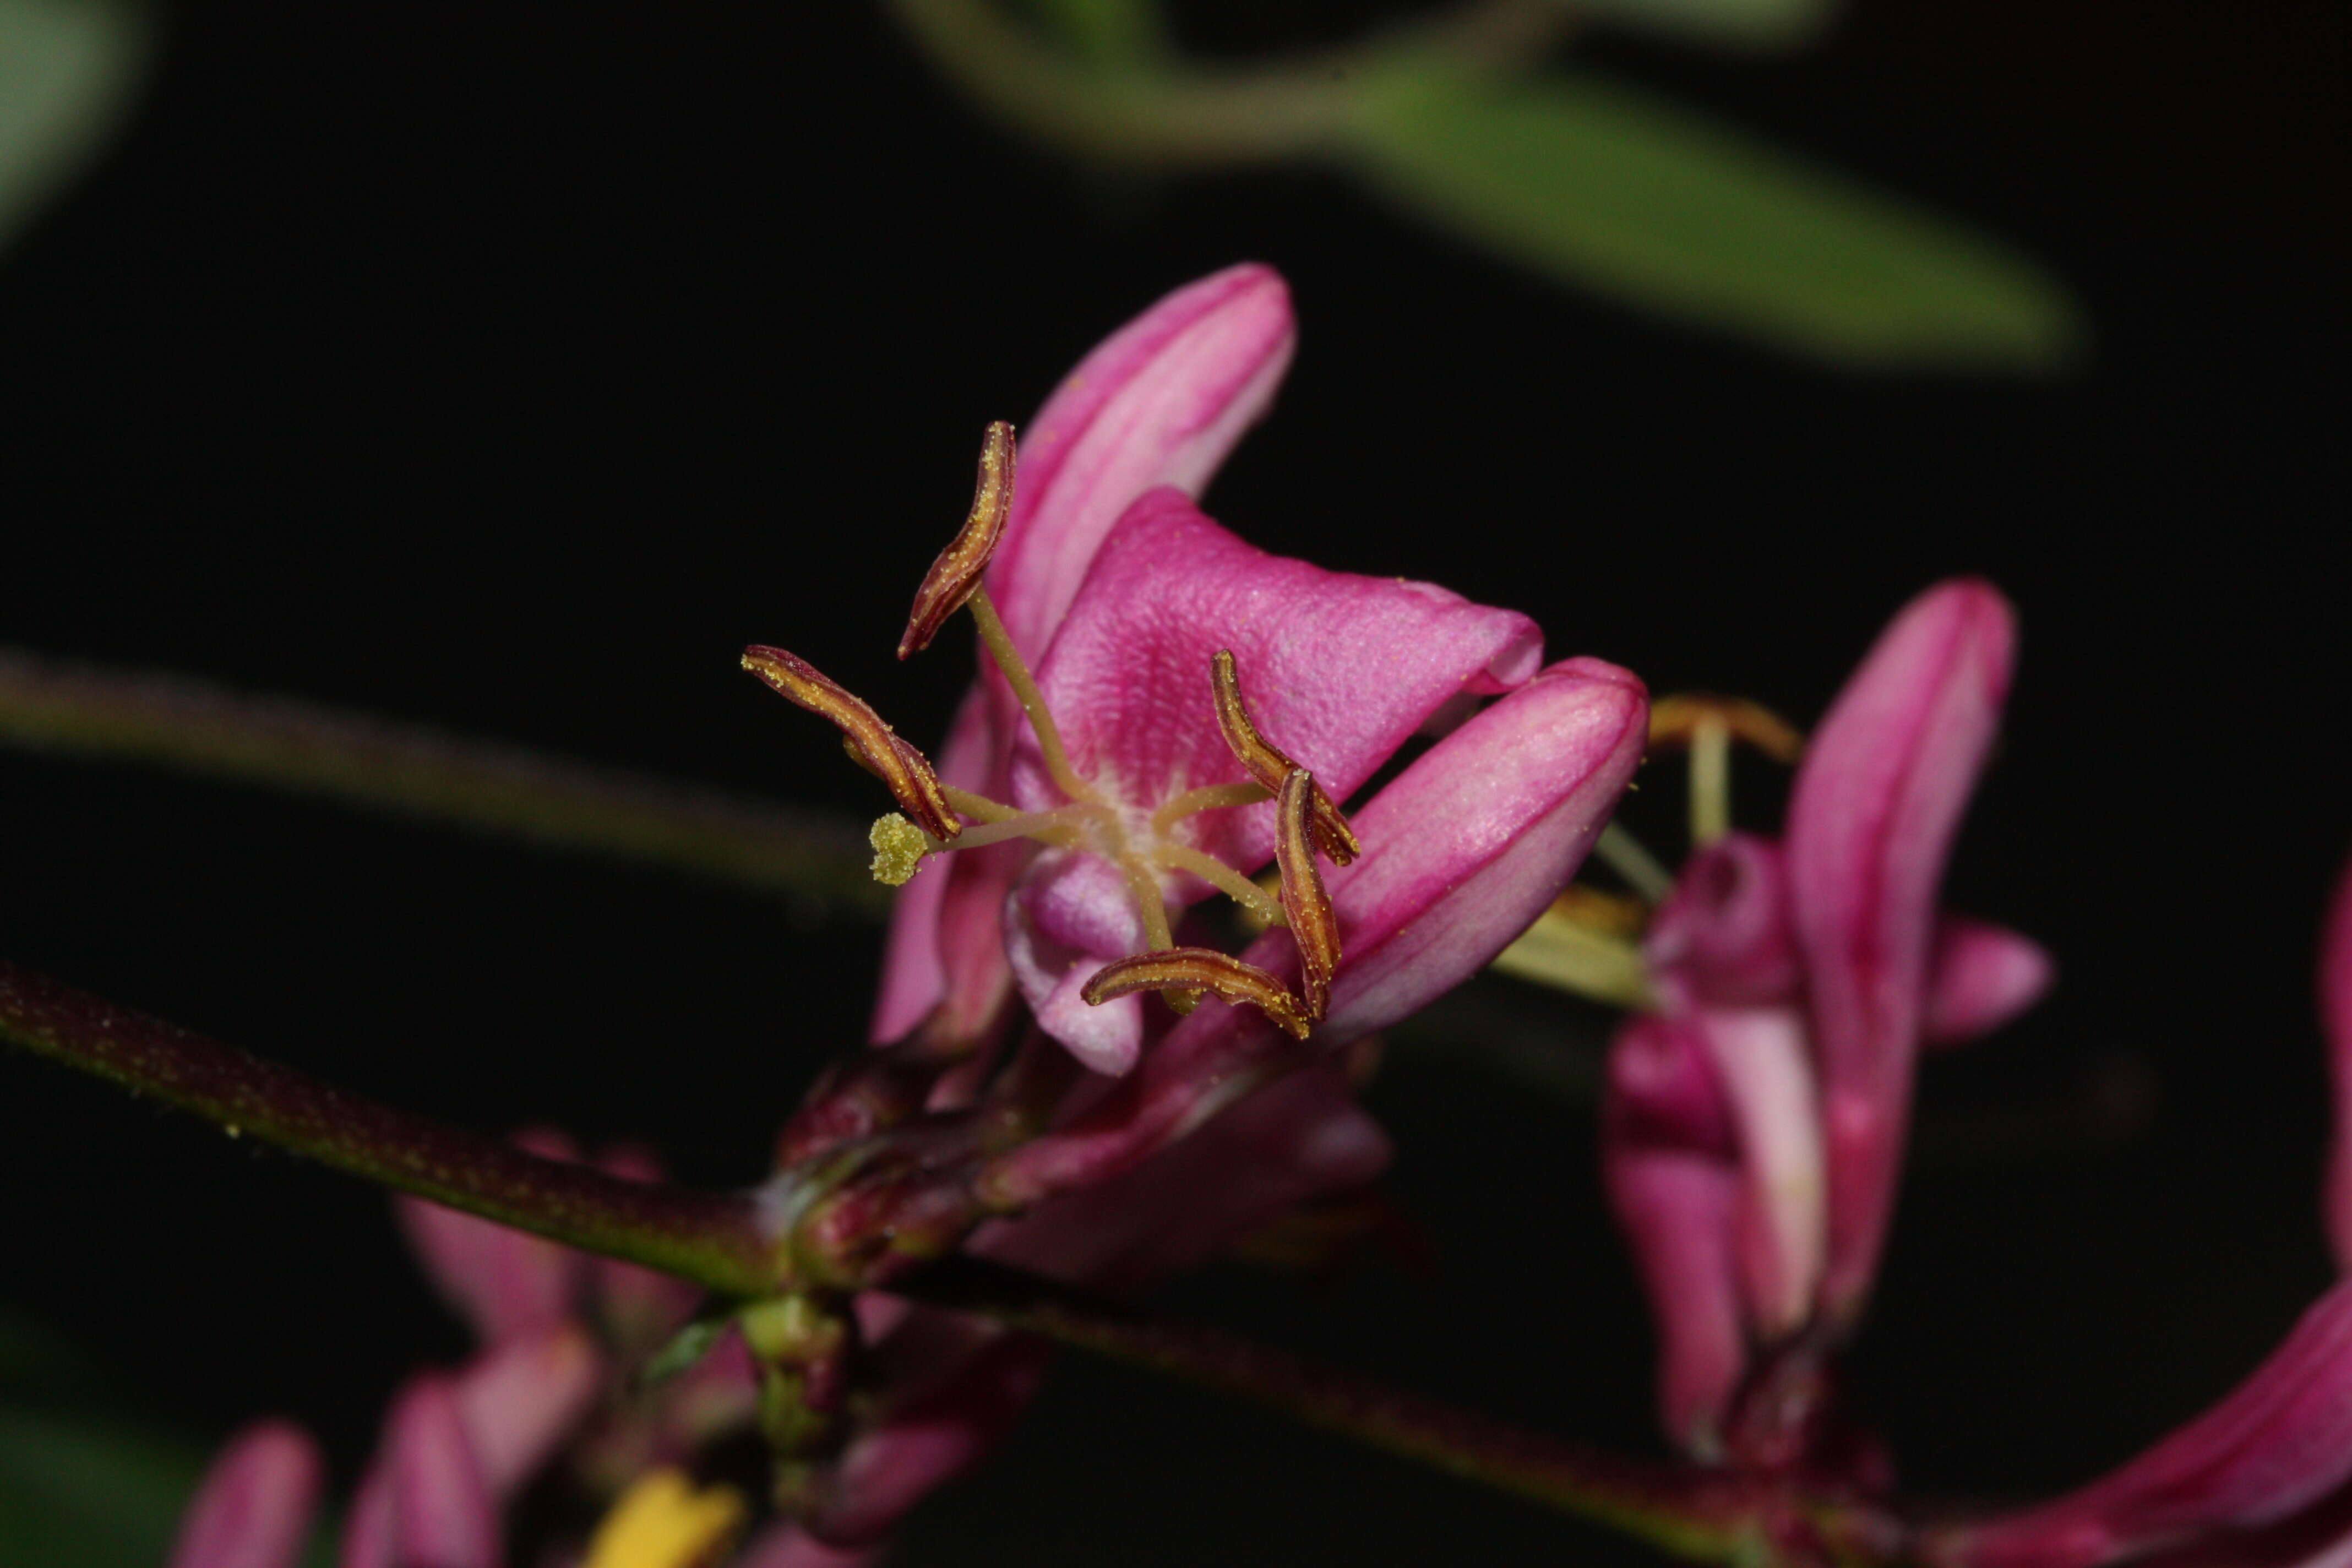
(661, 1521)
(898, 847)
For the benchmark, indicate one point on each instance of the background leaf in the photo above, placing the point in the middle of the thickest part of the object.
(1745, 24)
(70, 71)
(1115, 32)
(1609, 188)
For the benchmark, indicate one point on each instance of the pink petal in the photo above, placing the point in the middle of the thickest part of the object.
(1764, 1063)
(506, 1283)
(938, 1434)
(1159, 402)
(1338, 670)
(2280, 1443)
(424, 1502)
(1674, 1184)
(1724, 935)
(1071, 915)
(2336, 1017)
(1980, 976)
(1460, 853)
(253, 1509)
(1877, 801)
(519, 1401)
(1293, 1141)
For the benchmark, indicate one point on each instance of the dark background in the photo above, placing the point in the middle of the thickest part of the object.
(510, 366)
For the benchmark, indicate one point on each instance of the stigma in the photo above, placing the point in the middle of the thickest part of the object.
(1147, 841)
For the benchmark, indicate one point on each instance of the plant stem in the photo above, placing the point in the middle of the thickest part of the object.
(292, 745)
(716, 1239)
(1700, 1514)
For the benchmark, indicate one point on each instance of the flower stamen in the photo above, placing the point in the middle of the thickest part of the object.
(1208, 797)
(1224, 878)
(1204, 968)
(1268, 765)
(903, 769)
(999, 643)
(955, 577)
(1312, 924)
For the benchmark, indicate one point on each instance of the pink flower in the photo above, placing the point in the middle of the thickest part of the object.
(1754, 1126)
(254, 1506)
(1182, 678)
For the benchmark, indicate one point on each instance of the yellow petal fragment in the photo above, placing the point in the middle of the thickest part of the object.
(661, 1521)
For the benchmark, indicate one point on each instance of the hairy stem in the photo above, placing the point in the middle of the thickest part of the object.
(1700, 1514)
(287, 744)
(716, 1239)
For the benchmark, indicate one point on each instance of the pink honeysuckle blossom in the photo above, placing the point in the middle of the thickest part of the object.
(1754, 1125)
(255, 1506)
(1182, 678)
(1159, 402)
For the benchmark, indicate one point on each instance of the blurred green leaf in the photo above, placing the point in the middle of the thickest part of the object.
(1741, 24)
(68, 74)
(1611, 189)
(85, 1492)
(1107, 32)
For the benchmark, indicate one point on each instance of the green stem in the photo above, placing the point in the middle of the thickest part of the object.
(1179, 116)
(203, 728)
(1700, 1514)
(716, 1239)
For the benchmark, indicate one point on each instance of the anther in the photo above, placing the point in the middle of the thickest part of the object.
(1676, 719)
(1304, 901)
(902, 769)
(957, 571)
(1204, 969)
(1267, 764)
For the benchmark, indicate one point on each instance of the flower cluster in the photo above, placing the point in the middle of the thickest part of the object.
(1155, 795)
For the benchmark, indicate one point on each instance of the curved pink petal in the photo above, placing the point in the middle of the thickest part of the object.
(1338, 670)
(253, 1508)
(519, 1401)
(1460, 853)
(1764, 1063)
(1159, 402)
(1980, 976)
(506, 1283)
(1724, 935)
(1877, 803)
(2336, 1017)
(2280, 1443)
(1673, 1178)
(424, 1502)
